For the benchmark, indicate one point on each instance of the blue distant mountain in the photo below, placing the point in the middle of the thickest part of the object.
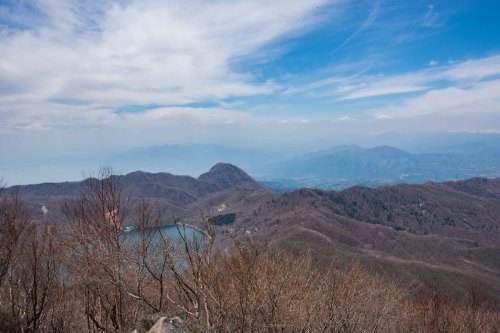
(385, 164)
(193, 159)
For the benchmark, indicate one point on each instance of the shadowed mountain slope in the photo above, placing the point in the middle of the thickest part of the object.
(416, 233)
(227, 175)
(172, 191)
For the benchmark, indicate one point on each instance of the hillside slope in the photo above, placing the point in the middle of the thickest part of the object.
(172, 192)
(420, 233)
(434, 231)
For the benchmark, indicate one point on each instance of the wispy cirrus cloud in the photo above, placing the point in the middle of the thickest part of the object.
(459, 87)
(372, 15)
(479, 98)
(379, 90)
(433, 18)
(205, 116)
(344, 119)
(36, 128)
(468, 87)
(475, 69)
(85, 56)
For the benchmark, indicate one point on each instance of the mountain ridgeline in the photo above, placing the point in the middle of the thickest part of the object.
(334, 168)
(347, 165)
(447, 231)
(178, 191)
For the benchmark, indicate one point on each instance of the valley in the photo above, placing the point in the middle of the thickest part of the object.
(414, 233)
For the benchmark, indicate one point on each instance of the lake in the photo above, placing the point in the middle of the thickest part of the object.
(170, 232)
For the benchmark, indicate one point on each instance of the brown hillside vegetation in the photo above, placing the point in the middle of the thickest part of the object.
(83, 276)
(415, 234)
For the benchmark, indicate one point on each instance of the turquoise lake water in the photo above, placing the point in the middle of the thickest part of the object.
(170, 232)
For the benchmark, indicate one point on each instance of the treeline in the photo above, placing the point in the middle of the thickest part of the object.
(85, 276)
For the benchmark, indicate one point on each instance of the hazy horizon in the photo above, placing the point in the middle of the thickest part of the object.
(81, 82)
(194, 159)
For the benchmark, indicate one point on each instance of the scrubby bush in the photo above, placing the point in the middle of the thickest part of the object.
(82, 276)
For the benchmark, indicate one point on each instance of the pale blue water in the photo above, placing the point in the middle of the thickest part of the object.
(170, 232)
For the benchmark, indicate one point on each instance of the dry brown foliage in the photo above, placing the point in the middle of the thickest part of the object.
(87, 277)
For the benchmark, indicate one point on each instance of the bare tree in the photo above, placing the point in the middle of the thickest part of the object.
(31, 265)
(34, 280)
(99, 257)
(13, 221)
(89, 275)
(149, 271)
(190, 262)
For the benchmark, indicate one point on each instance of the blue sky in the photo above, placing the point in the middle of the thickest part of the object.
(79, 77)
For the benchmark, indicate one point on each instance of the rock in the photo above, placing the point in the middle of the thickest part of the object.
(167, 325)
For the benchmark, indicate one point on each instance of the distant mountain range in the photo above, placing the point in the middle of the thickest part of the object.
(194, 159)
(449, 231)
(335, 168)
(348, 165)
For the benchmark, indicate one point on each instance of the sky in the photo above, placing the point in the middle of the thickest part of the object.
(92, 77)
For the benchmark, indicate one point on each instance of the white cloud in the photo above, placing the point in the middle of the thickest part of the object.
(381, 89)
(477, 69)
(192, 115)
(67, 63)
(362, 85)
(345, 119)
(483, 98)
(466, 87)
(36, 128)
(433, 19)
(294, 121)
(372, 15)
(384, 117)
(480, 131)
(139, 52)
